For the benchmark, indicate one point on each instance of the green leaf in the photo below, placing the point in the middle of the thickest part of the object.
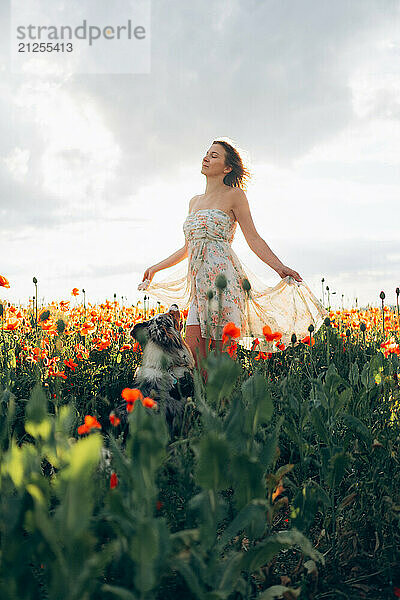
(305, 504)
(277, 591)
(84, 455)
(317, 420)
(211, 471)
(222, 375)
(248, 479)
(36, 408)
(354, 374)
(358, 427)
(119, 592)
(264, 552)
(249, 513)
(338, 464)
(257, 394)
(190, 577)
(231, 573)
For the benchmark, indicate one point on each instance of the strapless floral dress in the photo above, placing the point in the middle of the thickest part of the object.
(289, 307)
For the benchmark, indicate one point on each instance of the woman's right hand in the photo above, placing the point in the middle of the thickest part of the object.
(149, 273)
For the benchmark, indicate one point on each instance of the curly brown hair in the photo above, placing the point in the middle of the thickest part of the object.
(240, 174)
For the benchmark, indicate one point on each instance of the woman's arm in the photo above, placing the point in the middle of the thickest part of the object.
(177, 256)
(240, 206)
(172, 260)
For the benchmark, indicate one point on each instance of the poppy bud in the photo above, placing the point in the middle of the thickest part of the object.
(44, 315)
(210, 295)
(348, 332)
(397, 291)
(34, 280)
(1, 310)
(293, 339)
(246, 285)
(311, 328)
(363, 326)
(220, 281)
(327, 322)
(382, 295)
(60, 325)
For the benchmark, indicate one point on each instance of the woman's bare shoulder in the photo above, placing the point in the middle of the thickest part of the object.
(192, 203)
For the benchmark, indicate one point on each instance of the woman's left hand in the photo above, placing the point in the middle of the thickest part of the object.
(284, 271)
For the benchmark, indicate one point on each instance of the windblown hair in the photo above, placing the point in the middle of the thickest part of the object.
(240, 174)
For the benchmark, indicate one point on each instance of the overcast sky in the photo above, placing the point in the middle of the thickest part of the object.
(97, 170)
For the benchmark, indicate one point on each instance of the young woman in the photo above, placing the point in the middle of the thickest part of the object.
(209, 228)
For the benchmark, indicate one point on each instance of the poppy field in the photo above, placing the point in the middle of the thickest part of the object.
(284, 481)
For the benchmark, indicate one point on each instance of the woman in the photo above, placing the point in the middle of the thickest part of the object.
(289, 307)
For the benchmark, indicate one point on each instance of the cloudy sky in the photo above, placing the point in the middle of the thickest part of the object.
(97, 170)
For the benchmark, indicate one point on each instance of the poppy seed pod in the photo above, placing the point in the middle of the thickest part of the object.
(220, 282)
(246, 285)
(60, 325)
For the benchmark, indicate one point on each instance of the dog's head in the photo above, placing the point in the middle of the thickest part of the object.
(163, 329)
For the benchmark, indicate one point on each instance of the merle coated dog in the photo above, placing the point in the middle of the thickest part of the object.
(166, 372)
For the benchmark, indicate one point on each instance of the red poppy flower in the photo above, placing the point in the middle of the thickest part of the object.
(149, 402)
(306, 340)
(113, 480)
(269, 336)
(114, 420)
(4, 282)
(90, 423)
(230, 331)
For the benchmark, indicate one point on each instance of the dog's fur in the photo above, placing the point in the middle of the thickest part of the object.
(166, 373)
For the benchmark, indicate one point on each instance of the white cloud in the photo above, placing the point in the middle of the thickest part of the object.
(96, 172)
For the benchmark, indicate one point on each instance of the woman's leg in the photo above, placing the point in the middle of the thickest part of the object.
(195, 342)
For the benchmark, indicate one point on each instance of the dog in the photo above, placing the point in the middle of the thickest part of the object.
(166, 372)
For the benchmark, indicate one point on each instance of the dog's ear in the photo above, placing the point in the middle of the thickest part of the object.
(175, 312)
(139, 332)
(176, 315)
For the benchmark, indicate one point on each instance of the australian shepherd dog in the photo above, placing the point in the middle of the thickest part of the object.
(166, 372)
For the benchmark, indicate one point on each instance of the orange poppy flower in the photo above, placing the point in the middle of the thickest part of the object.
(75, 292)
(12, 323)
(113, 480)
(70, 363)
(131, 394)
(306, 340)
(278, 491)
(232, 350)
(269, 336)
(230, 331)
(4, 282)
(149, 402)
(114, 420)
(125, 347)
(90, 423)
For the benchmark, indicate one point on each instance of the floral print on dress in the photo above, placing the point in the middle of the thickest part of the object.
(288, 307)
(209, 233)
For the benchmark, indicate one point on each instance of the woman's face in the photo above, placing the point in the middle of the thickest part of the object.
(214, 161)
